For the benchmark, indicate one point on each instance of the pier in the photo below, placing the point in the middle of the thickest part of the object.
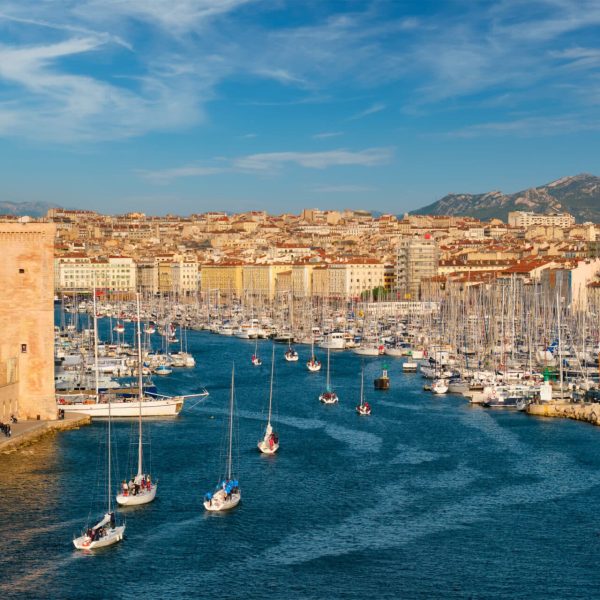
(25, 433)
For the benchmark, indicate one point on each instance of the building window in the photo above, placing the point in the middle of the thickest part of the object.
(24, 348)
(21, 271)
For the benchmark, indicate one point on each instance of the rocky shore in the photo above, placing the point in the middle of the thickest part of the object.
(590, 413)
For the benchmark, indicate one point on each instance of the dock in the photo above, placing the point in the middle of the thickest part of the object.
(25, 433)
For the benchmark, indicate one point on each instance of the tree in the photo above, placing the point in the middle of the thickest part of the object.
(377, 293)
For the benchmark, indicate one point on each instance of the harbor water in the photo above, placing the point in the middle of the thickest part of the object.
(429, 497)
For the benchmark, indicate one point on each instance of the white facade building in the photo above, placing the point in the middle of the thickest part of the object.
(77, 272)
(527, 219)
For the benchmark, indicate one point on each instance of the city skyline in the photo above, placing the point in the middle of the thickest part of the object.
(236, 105)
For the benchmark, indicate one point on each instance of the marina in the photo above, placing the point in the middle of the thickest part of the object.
(450, 477)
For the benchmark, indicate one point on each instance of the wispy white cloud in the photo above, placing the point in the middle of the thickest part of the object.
(342, 189)
(314, 160)
(167, 175)
(374, 108)
(271, 162)
(174, 16)
(58, 106)
(327, 134)
(184, 49)
(529, 126)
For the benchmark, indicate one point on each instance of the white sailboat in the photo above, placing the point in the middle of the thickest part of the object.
(364, 408)
(440, 386)
(328, 396)
(227, 494)
(313, 365)
(105, 532)
(140, 489)
(290, 354)
(256, 361)
(270, 442)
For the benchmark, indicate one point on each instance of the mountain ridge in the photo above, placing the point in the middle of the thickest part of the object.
(22, 209)
(578, 195)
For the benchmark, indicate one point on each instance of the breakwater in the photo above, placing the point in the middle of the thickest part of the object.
(588, 412)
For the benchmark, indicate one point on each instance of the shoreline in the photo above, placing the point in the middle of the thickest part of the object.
(31, 432)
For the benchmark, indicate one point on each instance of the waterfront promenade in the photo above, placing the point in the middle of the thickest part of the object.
(28, 432)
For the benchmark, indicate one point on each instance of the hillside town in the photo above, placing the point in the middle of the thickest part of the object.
(318, 253)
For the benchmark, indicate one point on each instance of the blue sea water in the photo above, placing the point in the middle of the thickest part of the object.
(427, 498)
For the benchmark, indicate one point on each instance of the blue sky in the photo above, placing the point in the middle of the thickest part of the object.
(192, 105)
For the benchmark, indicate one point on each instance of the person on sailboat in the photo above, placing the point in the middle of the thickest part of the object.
(125, 488)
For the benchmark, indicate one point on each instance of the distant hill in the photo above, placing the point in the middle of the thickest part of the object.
(578, 195)
(20, 209)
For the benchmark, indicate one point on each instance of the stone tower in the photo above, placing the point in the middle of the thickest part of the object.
(27, 320)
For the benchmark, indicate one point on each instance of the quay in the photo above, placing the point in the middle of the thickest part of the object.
(588, 412)
(25, 433)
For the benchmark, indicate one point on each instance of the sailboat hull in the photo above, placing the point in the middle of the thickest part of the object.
(366, 351)
(328, 398)
(168, 407)
(266, 448)
(221, 503)
(115, 535)
(143, 497)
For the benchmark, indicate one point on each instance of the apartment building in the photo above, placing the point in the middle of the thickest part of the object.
(79, 273)
(527, 219)
(225, 278)
(417, 259)
(260, 280)
(348, 279)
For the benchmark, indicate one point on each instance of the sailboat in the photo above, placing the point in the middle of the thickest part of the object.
(364, 408)
(313, 365)
(270, 442)
(105, 532)
(256, 361)
(141, 489)
(227, 493)
(290, 354)
(328, 396)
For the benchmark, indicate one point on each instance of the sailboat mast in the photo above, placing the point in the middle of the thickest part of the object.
(97, 390)
(560, 360)
(229, 457)
(271, 385)
(140, 382)
(328, 350)
(362, 385)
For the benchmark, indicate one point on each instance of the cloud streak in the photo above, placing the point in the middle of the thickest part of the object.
(314, 160)
(342, 189)
(272, 162)
(327, 134)
(374, 108)
(169, 58)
